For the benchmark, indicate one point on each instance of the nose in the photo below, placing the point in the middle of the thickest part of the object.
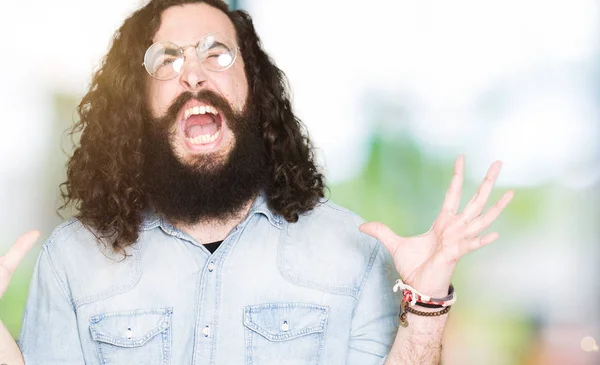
(193, 75)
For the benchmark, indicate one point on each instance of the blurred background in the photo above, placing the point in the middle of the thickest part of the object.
(391, 91)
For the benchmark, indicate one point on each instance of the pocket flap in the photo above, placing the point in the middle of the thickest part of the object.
(130, 328)
(285, 321)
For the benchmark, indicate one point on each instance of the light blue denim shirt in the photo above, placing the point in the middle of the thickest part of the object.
(313, 292)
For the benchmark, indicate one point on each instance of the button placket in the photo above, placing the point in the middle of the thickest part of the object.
(202, 348)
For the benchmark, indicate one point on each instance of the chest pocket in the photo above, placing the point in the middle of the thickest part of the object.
(133, 337)
(285, 333)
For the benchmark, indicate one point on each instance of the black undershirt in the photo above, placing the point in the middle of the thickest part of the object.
(212, 247)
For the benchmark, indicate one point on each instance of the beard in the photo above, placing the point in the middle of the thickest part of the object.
(208, 186)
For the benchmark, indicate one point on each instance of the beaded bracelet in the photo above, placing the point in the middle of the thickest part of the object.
(407, 309)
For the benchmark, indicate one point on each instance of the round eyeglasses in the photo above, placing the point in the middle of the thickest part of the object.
(164, 60)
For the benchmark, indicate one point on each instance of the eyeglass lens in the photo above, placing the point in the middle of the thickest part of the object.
(164, 60)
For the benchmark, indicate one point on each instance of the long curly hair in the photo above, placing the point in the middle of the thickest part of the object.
(104, 175)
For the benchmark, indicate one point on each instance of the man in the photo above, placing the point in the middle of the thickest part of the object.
(202, 234)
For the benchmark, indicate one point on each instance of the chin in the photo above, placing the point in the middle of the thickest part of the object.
(205, 160)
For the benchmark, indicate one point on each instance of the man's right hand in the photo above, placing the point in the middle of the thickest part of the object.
(10, 261)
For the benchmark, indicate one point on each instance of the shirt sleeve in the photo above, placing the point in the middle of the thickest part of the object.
(49, 332)
(375, 320)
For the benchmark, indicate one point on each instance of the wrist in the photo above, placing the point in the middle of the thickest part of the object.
(434, 279)
(420, 304)
(437, 288)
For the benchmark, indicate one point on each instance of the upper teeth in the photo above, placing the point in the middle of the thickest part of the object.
(200, 110)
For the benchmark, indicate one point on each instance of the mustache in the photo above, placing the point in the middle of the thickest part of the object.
(203, 96)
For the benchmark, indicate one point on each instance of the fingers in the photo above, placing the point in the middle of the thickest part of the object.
(484, 221)
(477, 242)
(477, 203)
(452, 199)
(16, 253)
(469, 245)
(383, 233)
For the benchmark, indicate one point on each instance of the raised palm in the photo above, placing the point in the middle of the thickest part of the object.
(10, 261)
(427, 261)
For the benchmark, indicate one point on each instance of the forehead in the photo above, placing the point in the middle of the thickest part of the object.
(187, 24)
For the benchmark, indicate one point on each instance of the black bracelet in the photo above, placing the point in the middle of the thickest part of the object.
(427, 305)
(434, 306)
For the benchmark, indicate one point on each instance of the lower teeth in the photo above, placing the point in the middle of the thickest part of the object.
(203, 139)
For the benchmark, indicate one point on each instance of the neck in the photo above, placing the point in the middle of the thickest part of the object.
(213, 230)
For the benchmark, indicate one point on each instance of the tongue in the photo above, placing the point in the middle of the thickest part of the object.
(196, 130)
(198, 125)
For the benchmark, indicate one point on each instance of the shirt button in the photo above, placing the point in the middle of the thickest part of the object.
(206, 331)
(211, 267)
(285, 326)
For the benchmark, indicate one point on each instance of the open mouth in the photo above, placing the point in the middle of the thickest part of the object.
(202, 124)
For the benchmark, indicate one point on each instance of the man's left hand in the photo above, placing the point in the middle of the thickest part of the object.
(426, 262)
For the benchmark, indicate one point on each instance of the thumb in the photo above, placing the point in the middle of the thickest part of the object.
(383, 233)
(19, 249)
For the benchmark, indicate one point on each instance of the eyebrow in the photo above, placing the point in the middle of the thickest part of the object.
(175, 52)
(172, 52)
(218, 44)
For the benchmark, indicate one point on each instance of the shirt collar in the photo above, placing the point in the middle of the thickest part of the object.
(261, 206)
(151, 219)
